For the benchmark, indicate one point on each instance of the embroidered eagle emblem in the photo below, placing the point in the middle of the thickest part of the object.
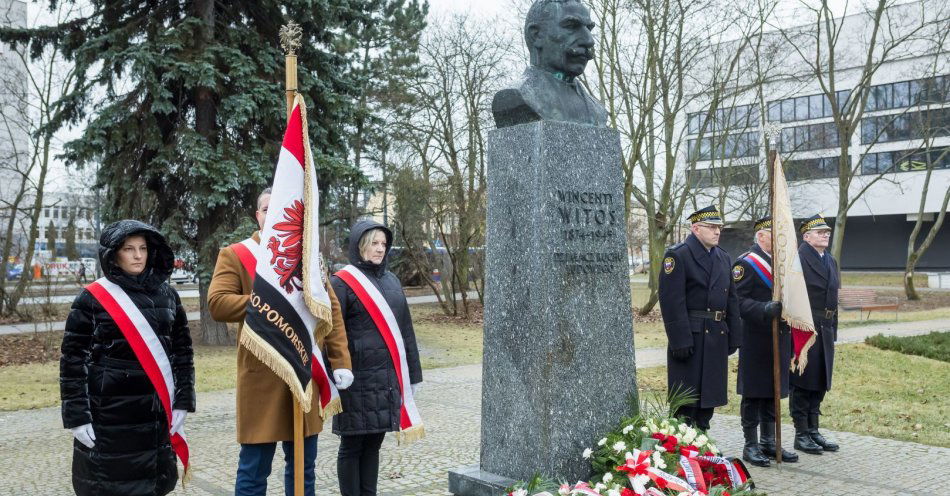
(287, 253)
(668, 264)
(737, 272)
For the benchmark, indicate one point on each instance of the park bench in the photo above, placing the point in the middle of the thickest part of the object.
(866, 300)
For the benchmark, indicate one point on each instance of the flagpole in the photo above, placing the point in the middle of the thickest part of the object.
(290, 35)
(776, 277)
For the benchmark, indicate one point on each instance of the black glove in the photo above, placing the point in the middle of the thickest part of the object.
(733, 349)
(773, 309)
(683, 353)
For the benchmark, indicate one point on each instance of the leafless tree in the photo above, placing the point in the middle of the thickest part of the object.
(35, 86)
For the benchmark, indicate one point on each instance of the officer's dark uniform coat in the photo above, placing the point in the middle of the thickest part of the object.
(821, 278)
(692, 279)
(755, 357)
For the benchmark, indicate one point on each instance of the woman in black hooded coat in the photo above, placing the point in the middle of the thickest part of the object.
(122, 444)
(371, 406)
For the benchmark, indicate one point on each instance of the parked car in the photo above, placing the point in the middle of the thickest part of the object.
(14, 271)
(182, 276)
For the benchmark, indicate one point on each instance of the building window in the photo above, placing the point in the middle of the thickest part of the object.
(811, 168)
(905, 160)
(912, 125)
(909, 93)
(727, 146)
(736, 175)
(805, 108)
(729, 119)
(809, 137)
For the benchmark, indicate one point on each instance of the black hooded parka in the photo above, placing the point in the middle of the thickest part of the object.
(102, 382)
(372, 404)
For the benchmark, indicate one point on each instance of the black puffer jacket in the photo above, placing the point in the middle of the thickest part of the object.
(102, 383)
(372, 403)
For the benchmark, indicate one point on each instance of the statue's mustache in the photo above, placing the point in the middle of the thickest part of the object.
(585, 52)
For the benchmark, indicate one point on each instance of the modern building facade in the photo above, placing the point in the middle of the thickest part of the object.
(904, 130)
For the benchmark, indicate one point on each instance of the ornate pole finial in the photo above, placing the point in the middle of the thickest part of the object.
(772, 132)
(290, 35)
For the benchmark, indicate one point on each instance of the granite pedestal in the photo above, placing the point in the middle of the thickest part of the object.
(558, 366)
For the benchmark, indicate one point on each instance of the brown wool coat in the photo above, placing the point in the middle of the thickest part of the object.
(264, 402)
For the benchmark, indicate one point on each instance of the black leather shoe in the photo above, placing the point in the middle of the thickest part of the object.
(751, 452)
(817, 437)
(803, 440)
(767, 444)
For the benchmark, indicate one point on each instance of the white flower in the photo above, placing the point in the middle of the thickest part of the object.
(658, 461)
(602, 442)
(644, 429)
(701, 440)
(665, 423)
(682, 428)
(587, 452)
(599, 487)
(619, 446)
(613, 492)
(564, 490)
(520, 492)
(608, 477)
(689, 436)
(628, 455)
(660, 448)
(627, 429)
(713, 448)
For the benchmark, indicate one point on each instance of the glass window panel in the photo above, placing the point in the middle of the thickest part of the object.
(943, 88)
(775, 111)
(801, 108)
(753, 114)
(928, 91)
(788, 110)
(831, 135)
(815, 106)
(884, 162)
(914, 95)
(693, 123)
(826, 106)
(704, 149)
(901, 94)
(869, 163)
(740, 117)
(801, 138)
(882, 96)
(843, 97)
(787, 141)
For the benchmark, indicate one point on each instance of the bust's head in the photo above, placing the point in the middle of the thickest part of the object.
(558, 35)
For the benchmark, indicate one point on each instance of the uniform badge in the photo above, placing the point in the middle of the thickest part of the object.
(737, 272)
(668, 264)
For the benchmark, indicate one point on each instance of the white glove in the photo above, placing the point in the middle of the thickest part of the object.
(178, 420)
(343, 378)
(415, 388)
(85, 435)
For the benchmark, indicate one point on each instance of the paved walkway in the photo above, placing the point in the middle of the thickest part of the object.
(35, 452)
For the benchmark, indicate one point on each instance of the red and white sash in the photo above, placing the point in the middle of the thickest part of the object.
(148, 350)
(410, 422)
(246, 252)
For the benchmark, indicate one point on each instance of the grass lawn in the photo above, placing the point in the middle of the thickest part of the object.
(36, 385)
(875, 392)
(895, 279)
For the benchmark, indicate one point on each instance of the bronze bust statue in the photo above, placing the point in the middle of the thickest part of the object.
(558, 35)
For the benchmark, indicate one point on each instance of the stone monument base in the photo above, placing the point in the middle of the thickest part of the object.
(470, 480)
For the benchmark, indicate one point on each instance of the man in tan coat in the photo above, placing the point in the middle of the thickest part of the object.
(264, 402)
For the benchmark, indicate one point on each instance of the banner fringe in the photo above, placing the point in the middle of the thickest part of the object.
(319, 308)
(274, 361)
(185, 476)
(334, 407)
(411, 434)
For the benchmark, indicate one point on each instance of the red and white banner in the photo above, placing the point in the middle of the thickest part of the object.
(148, 350)
(289, 308)
(789, 279)
(410, 422)
(247, 252)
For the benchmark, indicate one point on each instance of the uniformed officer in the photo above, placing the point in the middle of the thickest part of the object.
(701, 316)
(752, 273)
(808, 389)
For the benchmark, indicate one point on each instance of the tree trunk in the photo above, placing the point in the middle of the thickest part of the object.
(210, 332)
(909, 288)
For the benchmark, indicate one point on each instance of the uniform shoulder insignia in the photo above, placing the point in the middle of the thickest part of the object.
(669, 263)
(737, 272)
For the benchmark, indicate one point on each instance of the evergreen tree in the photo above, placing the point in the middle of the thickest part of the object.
(70, 235)
(51, 239)
(194, 109)
(386, 46)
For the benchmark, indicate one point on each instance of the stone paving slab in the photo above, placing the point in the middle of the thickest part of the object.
(35, 452)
